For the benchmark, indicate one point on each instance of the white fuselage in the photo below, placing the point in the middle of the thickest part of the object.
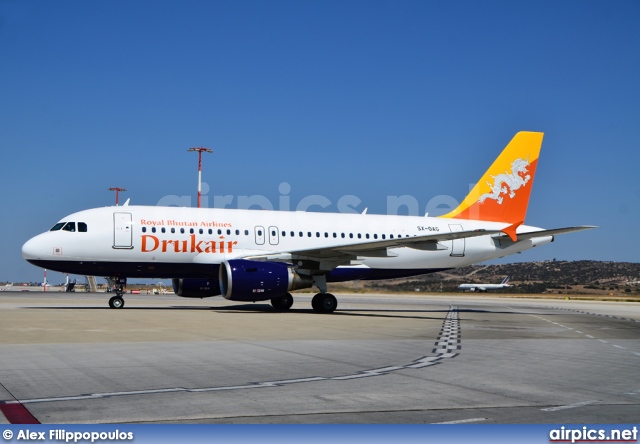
(172, 242)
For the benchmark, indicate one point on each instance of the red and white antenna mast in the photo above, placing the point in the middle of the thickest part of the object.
(200, 151)
(117, 190)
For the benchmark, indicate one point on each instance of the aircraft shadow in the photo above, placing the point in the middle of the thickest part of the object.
(266, 309)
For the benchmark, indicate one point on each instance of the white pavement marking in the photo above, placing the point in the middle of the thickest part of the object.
(570, 406)
(462, 421)
(590, 336)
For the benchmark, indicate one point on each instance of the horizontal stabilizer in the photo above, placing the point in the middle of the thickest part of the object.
(553, 232)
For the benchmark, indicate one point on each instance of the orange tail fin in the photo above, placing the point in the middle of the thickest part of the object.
(502, 194)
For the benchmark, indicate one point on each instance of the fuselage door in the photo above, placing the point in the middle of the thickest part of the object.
(274, 238)
(122, 230)
(259, 235)
(457, 245)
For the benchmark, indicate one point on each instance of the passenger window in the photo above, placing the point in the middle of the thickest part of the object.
(335, 235)
(391, 236)
(309, 234)
(201, 231)
(350, 235)
(228, 232)
(367, 235)
(210, 231)
(70, 226)
(259, 232)
(190, 230)
(301, 234)
(173, 230)
(383, 236)
(359, 236)
(82, 227)
(144, 229)
(317, 234)
(293, 233)
(181, 230)
(284, 233)
(57, 226)
(342, 235)
(237, 232)
(153, 229)
(163, 229)
(246, 232)
(326, 234)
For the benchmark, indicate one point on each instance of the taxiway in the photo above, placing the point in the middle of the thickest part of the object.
(68, 358)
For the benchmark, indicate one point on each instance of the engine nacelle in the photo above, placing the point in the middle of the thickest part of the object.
(196, 288)
(244, 280)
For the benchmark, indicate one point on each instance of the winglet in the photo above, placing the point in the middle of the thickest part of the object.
(511, 230)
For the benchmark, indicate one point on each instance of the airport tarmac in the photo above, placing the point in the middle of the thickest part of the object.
(68, 358)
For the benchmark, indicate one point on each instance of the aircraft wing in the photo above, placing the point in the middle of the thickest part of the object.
(341, 253)
(552, 232)
(333, 255)
(418, 242)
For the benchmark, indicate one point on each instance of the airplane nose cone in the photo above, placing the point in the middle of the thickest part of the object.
(30, 249)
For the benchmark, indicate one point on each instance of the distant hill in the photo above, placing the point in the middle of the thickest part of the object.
(562, 277)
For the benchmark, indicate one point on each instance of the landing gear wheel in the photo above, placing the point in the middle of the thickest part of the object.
(116, 302)
(282, 302)
(324, 303)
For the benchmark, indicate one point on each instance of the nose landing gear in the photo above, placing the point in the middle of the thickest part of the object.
(117, 301)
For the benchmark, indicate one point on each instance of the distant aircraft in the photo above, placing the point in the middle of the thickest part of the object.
(485, 287)
(248, 255)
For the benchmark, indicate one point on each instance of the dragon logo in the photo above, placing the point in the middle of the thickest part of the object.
(507, 183)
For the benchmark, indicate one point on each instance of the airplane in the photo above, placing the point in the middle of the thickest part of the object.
(485, 287)
(250, 255)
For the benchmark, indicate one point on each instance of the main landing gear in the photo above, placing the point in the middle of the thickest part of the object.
(117, 301)
(282, 303)
(321, 303)
(324, 303)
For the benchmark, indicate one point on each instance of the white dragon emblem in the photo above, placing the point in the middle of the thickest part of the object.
(508, 183)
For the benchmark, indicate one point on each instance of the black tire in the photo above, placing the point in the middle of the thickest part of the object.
(282, 302)
(316, 302)
(116, 302)
(324, 303)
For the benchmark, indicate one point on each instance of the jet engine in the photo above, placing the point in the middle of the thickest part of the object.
(196, 288)
(244, 280)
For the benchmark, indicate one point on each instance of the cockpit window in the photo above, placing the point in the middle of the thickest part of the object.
(57, 226)
(70, 226)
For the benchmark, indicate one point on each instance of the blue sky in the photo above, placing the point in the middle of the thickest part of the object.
(363, 98)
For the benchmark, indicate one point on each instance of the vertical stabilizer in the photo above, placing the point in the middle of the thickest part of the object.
(502, 194)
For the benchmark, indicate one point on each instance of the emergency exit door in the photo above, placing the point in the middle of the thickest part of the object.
(457, 245)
